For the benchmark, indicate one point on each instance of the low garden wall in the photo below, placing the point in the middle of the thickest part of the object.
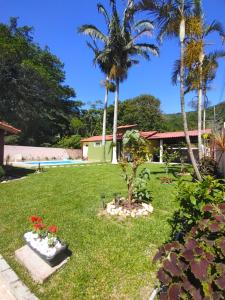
(20, 153)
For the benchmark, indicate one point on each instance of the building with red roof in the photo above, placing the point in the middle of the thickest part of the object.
(5, 128)
(93, 150)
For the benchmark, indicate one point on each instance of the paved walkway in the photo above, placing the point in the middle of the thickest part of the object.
(11, 287)
(5, 294)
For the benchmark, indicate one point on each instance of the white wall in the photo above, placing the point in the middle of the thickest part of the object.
(19, 153)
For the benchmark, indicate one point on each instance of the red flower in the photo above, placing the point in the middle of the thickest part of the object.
(39, 226)
(36, 219)
(53, 229)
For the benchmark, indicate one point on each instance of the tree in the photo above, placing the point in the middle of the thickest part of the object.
(173, 18)
(33, 95)
(209, 69)
(120, 47)
(143, 110)
(195, 55)
(104, 66)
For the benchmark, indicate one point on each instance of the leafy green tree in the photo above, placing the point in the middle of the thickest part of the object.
(144, 111)
(33, 95)
(69, 142)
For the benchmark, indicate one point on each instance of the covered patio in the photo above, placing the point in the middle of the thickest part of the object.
(173, 139)
(5, 128)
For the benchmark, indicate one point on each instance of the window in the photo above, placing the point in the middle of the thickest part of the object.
(97, 144)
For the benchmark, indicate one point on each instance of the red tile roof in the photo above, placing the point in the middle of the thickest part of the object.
(176, 134)
(151, 135)
(5, 126)
(127, 126)
(98, 138)
(147, 134)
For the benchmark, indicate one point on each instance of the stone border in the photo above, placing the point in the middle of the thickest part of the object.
(13, 283)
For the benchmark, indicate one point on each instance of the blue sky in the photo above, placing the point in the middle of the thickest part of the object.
(55, 24)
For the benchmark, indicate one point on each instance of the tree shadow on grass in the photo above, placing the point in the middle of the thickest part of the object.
(16, 172)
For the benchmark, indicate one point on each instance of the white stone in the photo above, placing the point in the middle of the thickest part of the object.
(148, 207)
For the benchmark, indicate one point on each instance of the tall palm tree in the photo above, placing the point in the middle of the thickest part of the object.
(195, 54)
(105, 67)
(173, 18)
(209, 68)
(120, 48)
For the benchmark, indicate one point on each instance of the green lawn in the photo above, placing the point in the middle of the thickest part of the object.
(111, 259)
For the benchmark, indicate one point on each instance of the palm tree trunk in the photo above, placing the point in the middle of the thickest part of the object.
(200, 113)
(182, 101)
(104, 119)
(105, 114)
(114, 149)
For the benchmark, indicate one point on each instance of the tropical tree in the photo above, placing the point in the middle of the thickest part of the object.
(198, 32)
(209, 69)
(173, 18)
(104, 66)
(120, 47)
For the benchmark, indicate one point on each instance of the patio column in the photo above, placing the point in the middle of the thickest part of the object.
(1, 147)
(161, 151)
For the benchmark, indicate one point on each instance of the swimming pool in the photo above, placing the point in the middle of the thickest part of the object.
(52, 162)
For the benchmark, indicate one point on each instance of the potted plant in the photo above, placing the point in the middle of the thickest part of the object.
(44, 241)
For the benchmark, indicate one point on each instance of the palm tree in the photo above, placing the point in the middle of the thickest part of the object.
(94, 33)
(120, 48)
(173, 18)
(195, 54)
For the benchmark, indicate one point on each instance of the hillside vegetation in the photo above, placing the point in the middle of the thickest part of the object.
(173, 122)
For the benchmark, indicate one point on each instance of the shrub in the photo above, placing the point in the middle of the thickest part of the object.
(141, 192)
(208, 167)
(69, 142)
(195, 269)
(192, 198)
(2, 172)
(138, 150)
(11, 139)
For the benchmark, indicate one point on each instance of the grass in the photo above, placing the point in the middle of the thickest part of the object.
(111, 259)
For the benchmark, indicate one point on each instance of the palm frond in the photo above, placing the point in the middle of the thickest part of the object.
(102, 10)
(93, 32)
(148, 47)
(176, 72)
(144, 24)
(215, 27)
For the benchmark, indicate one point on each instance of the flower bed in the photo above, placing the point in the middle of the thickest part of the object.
(45, 242)
(126, 210)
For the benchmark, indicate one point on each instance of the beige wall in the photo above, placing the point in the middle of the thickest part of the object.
(19, 153)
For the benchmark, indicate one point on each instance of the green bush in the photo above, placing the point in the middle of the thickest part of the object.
(192, 198)
(70, 142)
(141, 192)
(2, 172)
(195, 269)
(11, 139)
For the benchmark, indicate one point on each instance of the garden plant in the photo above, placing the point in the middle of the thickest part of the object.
(194, 269)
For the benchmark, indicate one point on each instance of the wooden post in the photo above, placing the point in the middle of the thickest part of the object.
(1, 147)
(161, 151)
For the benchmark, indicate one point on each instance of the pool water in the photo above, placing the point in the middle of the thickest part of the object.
(53, 162)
